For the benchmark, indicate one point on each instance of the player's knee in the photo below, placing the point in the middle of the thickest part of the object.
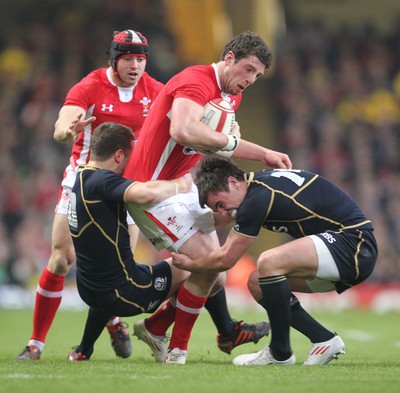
(268, 264)
(253, 285)
(222, 278)
(219, 283)
(61, 261)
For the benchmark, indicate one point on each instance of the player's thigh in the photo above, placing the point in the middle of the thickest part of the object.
(299, 285)
(199, 244)
(63, 252)
(133, 236)
(297, 258)
(178, 276)
(61, 236)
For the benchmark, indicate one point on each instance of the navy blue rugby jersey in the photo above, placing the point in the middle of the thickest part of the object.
(97, 222)
(296, 202)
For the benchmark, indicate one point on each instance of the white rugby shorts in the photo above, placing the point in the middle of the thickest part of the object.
(168, 224)
(65, 191)
(327, 271)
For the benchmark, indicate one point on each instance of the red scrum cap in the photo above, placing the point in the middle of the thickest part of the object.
(128, 42)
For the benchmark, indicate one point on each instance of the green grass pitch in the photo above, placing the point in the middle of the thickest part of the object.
(371, 363)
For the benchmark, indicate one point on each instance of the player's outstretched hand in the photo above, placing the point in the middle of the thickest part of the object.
(78, 126)
(277, 160)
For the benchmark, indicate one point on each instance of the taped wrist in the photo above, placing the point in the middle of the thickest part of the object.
(233, 142)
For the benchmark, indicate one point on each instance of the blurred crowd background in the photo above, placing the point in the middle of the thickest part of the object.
(333, 100)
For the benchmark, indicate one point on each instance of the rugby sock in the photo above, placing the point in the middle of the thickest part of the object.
(188, 308)
(217, 307)
(95, 323)
(276, 300)
(162, 319)
(48, 299)
(306, 324)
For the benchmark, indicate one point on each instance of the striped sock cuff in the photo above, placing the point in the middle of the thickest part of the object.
(271, 280)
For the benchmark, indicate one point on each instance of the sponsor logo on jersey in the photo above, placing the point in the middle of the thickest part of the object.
(105, 107)
(278, 229)
(328, 237)
(71, 212)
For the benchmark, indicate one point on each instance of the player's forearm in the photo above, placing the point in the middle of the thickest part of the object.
(216, 261)
(62, 132)
(249, 151)
(165, 189)
(154, 191)
(199, 136)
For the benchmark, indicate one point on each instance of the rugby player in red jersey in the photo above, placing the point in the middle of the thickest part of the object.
(121, 93)
(172, 136)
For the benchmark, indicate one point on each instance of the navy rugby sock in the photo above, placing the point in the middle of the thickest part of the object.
(95, 323)
(217, 307)
(276, 300)
(306, 324)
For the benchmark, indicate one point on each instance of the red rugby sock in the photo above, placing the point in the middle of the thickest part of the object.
(48, 299)
(188, 308)
(162, 319)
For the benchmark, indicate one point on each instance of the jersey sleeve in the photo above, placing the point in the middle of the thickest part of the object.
(112, 186)
(83, 93)
(198, 84)
(190, 84)
(252, 211)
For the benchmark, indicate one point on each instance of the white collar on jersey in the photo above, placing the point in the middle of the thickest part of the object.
(224, 95)
(125, 93)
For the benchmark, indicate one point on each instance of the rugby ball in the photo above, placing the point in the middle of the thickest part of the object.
(219, 115)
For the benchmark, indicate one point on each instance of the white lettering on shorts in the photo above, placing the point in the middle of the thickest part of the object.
(329, 237)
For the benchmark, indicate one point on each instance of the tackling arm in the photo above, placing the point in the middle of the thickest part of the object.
(218, 260)
(157, 190)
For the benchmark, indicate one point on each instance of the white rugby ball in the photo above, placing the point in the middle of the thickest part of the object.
(219, 115)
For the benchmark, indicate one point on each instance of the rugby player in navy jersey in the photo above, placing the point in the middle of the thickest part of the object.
(108, 278)
(334, 248)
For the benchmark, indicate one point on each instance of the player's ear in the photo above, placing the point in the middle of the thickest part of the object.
(119, 155)
(229, 58)
(232, 181)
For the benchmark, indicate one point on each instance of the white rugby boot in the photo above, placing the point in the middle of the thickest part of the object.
(262, 358)
(157, 344)
(175, 356)
(324, 352)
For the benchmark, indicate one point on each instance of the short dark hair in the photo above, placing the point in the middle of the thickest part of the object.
(109, 137)
(212, 175)
(247, 44)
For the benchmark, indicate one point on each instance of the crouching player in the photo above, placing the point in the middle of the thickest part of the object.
(334, 248)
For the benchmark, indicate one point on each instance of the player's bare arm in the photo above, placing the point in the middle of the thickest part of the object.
(157, 190)
(69, 123)
(187, 128)
(271, 158)
(219, 260)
